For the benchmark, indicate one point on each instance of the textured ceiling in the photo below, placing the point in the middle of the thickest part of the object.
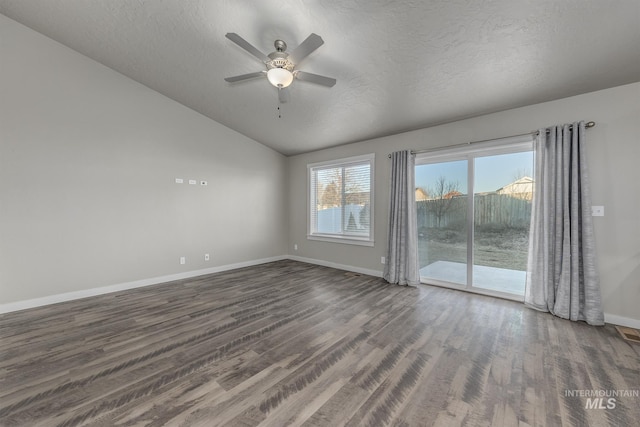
(400, 65)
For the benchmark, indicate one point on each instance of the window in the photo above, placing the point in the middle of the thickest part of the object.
(341, 200)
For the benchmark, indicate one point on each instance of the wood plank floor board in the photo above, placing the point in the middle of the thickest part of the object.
(241, 399)
(289, 343)
(158, 351)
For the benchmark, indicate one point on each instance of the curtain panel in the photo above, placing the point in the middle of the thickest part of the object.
(562, 277)
(401, 265)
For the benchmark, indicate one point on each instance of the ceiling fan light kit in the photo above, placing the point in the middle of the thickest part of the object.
(281, 64)
(280, 77)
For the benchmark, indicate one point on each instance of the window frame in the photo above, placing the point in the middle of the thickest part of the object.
(350, 239)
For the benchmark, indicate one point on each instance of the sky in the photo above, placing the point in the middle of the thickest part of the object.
(491, 172)
(356, 175)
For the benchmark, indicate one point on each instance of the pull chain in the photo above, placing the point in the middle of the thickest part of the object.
(281, 100)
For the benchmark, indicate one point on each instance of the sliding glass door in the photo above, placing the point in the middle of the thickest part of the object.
(474, 208)
(442, 220)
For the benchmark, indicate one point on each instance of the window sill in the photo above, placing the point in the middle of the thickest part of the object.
(347, 240)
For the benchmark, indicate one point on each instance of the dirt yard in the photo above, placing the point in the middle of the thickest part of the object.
(501, 247)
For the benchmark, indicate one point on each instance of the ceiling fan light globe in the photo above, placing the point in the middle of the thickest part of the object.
(279, 77)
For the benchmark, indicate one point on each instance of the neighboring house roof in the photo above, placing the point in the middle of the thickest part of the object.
(421, 195)
(522, 188)
(452, 194)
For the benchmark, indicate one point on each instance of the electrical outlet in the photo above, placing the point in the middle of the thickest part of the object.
(597, 210)
(179, 180)
(192, 182)
(203, 183)
(206, 257)
(183, 260)
(382, 260)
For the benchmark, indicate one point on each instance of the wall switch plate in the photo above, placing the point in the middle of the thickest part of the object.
(295, 247)
(382, 260)
(179, 180)
(183, 260)
(206, 257)
(597, 210)
(193, 182)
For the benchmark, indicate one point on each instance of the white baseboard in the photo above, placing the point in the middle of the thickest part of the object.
(69, 296)
(324, 263)
(622, 321)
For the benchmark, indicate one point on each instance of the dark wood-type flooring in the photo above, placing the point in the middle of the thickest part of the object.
(288, 343)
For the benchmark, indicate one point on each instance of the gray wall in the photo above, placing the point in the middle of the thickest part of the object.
(614, 150)
(88, 161)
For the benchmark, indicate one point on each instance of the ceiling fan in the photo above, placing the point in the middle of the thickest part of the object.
(281, 65)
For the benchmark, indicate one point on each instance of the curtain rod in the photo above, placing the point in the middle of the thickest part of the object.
(587, 125)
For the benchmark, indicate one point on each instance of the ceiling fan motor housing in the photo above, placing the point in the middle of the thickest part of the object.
(280, 60)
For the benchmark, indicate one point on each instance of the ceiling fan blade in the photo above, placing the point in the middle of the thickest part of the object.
(310, 44)
(315, 78)
(283, 95)
(245, 77)
(247, 46)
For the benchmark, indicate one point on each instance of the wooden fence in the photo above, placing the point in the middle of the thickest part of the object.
(489, 209)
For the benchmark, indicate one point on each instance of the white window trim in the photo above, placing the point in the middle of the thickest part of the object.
(336, 238)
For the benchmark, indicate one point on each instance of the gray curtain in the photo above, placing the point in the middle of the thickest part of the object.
(402, 251)
(562, 277)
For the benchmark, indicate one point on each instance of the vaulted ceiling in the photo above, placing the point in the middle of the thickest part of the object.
(399, 65)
